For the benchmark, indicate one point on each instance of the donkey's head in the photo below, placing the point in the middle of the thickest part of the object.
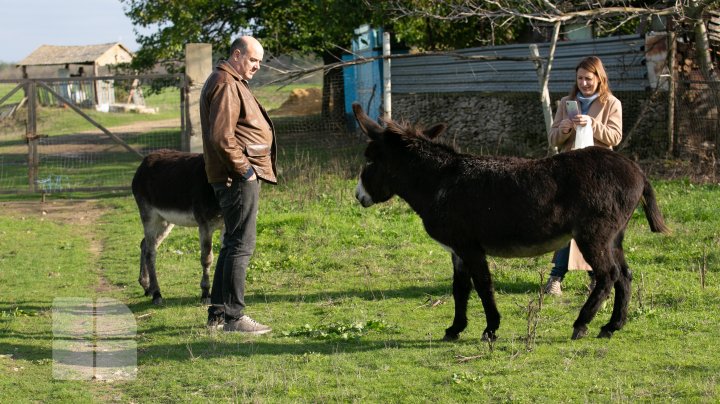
(374, 185)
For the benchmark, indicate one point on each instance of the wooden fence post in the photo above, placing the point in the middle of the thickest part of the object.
(31, 136)
(198, 66)
(672, 49)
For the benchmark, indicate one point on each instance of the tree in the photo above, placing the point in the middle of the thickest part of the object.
(324, 27)
(426, 32)
(178, 22)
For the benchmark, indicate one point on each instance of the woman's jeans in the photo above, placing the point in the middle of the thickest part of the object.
(562, 256)
(239, 204)
(560, 267)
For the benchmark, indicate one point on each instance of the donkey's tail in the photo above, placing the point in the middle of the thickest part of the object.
(652, 212)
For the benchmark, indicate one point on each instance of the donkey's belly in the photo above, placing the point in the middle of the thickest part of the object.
(178, 217)
(527, 250)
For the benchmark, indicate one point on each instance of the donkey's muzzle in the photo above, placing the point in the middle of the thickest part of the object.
(362, 196)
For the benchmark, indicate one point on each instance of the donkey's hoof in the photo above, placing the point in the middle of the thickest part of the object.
(605, 334)
(489, 336)
(157, 299)
(205, 300)
(579, 333)
(450, 336)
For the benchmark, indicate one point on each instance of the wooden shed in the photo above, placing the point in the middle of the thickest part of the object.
(78, 61)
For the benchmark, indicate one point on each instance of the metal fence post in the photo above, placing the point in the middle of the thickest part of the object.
(387, 82)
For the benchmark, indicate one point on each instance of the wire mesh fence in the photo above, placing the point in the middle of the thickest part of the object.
(90, 133)
(84, 133)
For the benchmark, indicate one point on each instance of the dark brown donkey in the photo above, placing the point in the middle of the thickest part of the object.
(476, 206)
(171, 188)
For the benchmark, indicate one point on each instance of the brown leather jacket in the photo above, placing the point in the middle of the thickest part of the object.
(237, 131)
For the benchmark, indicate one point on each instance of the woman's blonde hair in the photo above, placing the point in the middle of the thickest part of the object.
(594, 65)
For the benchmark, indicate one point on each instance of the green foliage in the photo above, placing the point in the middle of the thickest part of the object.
(283, 25)
(181, 22)
(323, 27)
(339, 331)
(310, 26)
(17, 312)
(446, 34)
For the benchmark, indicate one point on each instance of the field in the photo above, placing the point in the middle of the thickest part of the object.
(77, 155)
(359, 300)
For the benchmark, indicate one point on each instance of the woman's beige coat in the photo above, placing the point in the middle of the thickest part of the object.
(606, 124)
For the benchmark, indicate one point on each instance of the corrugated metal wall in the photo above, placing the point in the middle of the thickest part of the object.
(623, 57)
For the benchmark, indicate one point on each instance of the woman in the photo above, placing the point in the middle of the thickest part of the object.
(599, 108)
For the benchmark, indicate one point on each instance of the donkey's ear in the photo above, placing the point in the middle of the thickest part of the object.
(435, 130)
(367, 125)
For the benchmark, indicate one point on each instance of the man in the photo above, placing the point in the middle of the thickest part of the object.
(240, 150)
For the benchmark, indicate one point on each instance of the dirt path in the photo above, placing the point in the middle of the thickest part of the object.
(82, 213)
(140, 126)
(114, 319)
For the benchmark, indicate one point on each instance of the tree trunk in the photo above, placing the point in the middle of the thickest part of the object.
(702, 45)
(333, 95)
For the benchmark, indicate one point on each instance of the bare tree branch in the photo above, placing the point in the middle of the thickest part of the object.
(543, 11)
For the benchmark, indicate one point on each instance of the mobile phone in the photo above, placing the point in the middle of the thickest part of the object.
(572, 108)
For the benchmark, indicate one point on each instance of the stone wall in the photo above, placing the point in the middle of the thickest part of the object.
(513, 123)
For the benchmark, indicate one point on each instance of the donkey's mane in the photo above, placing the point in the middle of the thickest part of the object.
(415, 139)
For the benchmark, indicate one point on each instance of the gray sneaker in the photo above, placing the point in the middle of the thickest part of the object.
(247, 325)
(553, 286)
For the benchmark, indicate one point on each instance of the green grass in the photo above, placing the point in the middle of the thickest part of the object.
(108, 166)
(359, 300)
(6, 88)
(57, 121)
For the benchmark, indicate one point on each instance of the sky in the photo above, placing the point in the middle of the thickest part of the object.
(27, 24)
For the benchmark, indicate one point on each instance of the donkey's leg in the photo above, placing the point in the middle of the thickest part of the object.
(482, 280)
(155, 233)
(148, 219)
(606, 273)
(206, 259)
(623, 291)
(462, 284)
(144, 278)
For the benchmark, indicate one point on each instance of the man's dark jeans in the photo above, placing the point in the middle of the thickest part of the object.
(239, 203)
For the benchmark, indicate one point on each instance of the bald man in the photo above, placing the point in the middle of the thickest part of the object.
(240, 151)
